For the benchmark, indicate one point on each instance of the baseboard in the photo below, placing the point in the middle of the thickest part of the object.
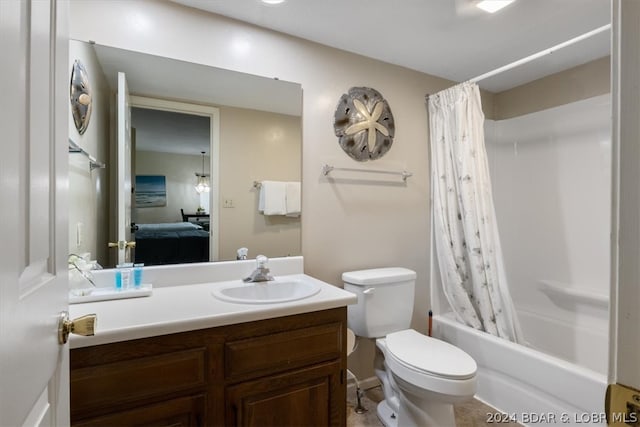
(365, 384)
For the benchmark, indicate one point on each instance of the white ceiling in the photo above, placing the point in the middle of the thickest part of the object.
(447, 38)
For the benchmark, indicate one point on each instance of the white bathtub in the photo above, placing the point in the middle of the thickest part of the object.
(532, 387)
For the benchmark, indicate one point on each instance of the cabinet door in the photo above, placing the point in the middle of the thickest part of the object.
(184, 411)
(309, 397)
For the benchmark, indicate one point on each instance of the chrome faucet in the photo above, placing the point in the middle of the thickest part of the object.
(242, 253)
(261, 273)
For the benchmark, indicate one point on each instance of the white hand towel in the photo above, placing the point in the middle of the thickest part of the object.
(293, 199)
(272, 198)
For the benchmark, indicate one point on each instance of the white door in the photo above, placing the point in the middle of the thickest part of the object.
(124, 172)
(34, 379)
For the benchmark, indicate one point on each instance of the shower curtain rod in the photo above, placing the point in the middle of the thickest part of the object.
(540, 54)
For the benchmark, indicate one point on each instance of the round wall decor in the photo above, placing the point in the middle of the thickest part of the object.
(80, 93)
(364, 124)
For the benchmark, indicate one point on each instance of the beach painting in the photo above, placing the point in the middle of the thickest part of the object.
(151, 191)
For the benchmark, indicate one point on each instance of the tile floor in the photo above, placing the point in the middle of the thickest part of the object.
(469, 414)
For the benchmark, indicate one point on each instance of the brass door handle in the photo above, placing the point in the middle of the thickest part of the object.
(85, 326)
(122, 244)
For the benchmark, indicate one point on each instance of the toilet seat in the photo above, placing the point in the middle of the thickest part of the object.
(430, 356)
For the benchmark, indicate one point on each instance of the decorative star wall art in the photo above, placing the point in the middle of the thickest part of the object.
(364, 124)
(80, 97)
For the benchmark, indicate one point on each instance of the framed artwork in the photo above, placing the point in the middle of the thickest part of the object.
(151, 191)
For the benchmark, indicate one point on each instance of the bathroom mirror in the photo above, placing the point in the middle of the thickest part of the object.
(248, 127)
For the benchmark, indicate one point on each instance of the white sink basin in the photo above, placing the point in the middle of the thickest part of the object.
(273, 291)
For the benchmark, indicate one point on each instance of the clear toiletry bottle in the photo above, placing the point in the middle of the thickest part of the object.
(123, 276)
(137, 275)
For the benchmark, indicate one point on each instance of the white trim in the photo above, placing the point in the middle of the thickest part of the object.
(123, 144)
(214, 165)
(624, 342)
(615, 194)
(40, 414)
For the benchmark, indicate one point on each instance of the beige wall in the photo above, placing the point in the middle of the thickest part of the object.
(89, 190)
(179, 170)
(581, 82)
(346, 224)
(257, 146)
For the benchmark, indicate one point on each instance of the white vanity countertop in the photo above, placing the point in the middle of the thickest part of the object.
(184, 308)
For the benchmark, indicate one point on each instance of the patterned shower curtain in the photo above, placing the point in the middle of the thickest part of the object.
(465, 228)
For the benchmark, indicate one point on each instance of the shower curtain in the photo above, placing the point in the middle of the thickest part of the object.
(464, 221)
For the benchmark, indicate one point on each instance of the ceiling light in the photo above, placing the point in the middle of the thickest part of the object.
(203, 183)
(492, 6)
(272, 2)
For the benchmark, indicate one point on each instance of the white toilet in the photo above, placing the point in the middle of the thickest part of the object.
(422, 377)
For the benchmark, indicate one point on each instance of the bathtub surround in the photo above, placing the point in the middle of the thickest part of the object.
(551, 176)
(464, 224)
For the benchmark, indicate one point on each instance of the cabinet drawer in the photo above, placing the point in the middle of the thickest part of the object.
(181, 412)
(136, 379)
(282, 351)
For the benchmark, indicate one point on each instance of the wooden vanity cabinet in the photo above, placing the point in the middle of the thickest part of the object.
(287, 371)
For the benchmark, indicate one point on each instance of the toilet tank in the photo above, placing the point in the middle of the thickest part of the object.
(385, 300)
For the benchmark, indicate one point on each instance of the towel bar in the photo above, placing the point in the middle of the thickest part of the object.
(93, 163)
(326, 169)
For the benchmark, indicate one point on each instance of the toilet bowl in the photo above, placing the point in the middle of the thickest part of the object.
(428, 375)
(422, 377)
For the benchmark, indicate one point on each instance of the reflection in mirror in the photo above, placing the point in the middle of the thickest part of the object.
(249, 129)
(172, 217)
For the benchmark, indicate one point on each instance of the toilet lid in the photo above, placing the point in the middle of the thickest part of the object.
(430, 355)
